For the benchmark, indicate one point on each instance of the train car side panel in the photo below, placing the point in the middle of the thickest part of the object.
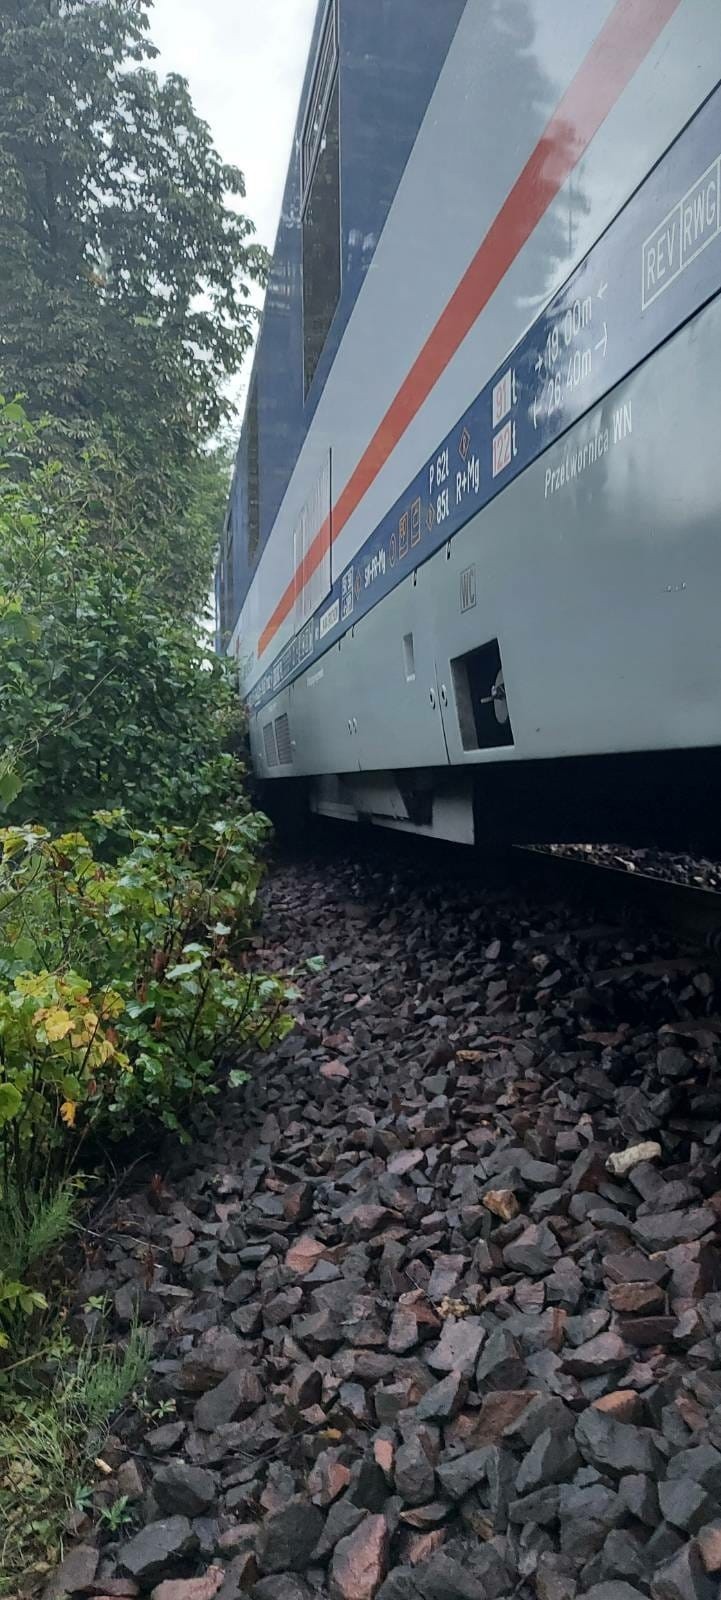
(471, 565)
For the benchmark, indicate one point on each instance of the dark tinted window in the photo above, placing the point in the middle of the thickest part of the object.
(321, 242)
(322, 82)
(227, 583)
(253, 476)
(230, 580)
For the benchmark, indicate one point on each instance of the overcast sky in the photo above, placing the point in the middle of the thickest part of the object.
(244, 60)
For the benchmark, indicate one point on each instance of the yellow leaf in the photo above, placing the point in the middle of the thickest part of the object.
(113, 1004)
(85, 1029)
(58, 1024)
(101, 1052)
(67, 1112)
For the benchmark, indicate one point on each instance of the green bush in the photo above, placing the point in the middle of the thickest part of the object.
(109, 694)
(124, 986)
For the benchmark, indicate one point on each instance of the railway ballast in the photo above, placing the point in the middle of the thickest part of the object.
(413, 1339)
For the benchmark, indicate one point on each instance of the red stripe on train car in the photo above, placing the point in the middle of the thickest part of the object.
(615, 56)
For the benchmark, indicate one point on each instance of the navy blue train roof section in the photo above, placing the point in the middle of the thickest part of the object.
(657, 264)
(390, 56)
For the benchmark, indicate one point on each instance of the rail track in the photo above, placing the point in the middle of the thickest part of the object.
(644, 889)
(692, 912)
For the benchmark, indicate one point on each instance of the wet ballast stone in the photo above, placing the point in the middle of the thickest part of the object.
(415, 1334)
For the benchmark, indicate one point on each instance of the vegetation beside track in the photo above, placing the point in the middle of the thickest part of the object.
(130, 854)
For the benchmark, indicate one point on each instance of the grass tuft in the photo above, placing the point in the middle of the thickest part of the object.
(48, 1443)
(34, 1228)
(103, 1380)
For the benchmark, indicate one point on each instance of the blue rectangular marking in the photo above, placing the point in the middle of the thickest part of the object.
(656, 265)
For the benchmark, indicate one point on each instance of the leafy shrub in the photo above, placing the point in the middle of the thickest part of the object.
(122, 986)
(16, 1300)
(109, 695)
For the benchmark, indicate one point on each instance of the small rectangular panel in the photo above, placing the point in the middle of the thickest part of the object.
(688, 229)
(346, 598)
(502, 449)
(329, 618)
(502, 398)
(409, 658)
(468, 588)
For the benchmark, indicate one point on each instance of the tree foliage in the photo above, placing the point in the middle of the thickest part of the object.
(125, 265)
(129, 854)
(129, 867)
(108, 697)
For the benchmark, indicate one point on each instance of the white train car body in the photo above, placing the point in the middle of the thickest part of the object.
(475, 531)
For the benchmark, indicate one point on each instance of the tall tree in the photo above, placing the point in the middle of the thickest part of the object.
(125, 263)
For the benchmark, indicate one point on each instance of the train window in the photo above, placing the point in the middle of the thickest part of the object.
(221, 599)
(227, 585)
(320, 95)
(321, 202)
(230, 578)
(253, 476)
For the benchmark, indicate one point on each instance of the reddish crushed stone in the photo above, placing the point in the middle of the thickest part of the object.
(411, 1340)
(673, 866)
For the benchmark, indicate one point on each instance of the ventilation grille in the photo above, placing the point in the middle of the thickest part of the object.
(271, 749)
(282, 736)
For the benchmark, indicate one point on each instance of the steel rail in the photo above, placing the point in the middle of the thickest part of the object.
(690, 911)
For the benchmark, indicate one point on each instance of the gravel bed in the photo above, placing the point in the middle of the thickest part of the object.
(413, 1339)
(693, 871)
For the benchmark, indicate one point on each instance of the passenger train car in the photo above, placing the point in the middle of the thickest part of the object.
(470, 572)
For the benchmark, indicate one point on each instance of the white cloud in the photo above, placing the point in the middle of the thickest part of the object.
(244, 61)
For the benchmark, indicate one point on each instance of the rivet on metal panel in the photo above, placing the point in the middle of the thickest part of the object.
(355, 724)
(444, 695)
(350, 725)
(448, 551)
(432, 698)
